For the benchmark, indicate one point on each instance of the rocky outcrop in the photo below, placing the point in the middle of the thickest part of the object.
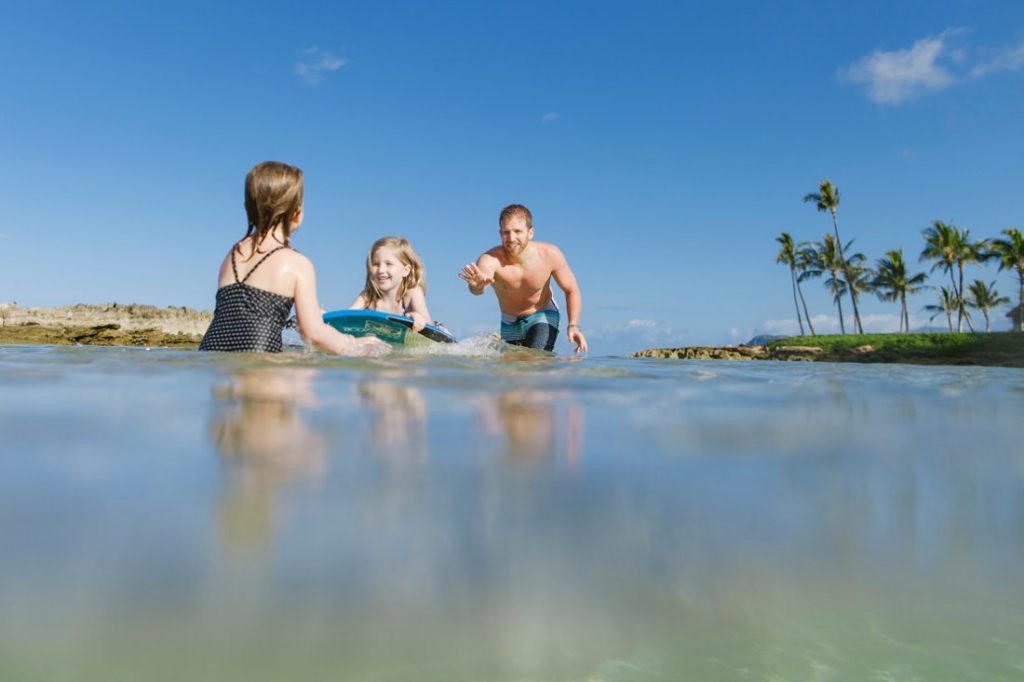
(794, 353)
(172, 319)
(740, 352)
(705, 353)
(109, 324)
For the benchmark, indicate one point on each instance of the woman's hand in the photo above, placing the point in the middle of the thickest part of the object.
(370, 347)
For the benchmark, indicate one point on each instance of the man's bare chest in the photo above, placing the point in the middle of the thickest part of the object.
(519, 278)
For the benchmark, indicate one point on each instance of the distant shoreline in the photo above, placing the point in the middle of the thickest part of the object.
(116, 324)
(998, 349)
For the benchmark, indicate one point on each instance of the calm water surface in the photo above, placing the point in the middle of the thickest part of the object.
(171, 515)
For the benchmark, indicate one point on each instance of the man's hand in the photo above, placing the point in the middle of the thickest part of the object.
(576, 336)
(475, 278)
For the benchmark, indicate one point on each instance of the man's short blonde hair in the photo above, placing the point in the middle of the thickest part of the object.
(514, 211)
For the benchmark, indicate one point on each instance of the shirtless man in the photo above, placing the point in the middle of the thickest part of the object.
(520, 272)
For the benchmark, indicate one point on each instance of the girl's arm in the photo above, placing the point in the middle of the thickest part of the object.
(416, 308)
(359, 303)
(311, 320)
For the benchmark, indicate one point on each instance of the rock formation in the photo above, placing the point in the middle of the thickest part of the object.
(108, 324)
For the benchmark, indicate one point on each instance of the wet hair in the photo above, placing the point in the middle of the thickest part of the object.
(416, 277)
(273, 194)
(513, 211)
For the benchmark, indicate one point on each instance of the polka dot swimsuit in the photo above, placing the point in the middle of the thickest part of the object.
(247, 319)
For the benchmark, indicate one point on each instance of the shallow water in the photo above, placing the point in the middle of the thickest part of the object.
(184, 516)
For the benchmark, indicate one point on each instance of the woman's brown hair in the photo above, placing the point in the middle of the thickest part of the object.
(273, 196)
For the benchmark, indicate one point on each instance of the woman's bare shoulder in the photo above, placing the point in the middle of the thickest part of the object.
(296, 259)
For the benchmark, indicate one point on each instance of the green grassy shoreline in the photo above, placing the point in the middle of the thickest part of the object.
(996, 349)
(979, 348)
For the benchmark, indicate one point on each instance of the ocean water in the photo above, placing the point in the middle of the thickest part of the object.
(172, 515)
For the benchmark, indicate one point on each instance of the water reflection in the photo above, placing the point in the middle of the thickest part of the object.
(535, 423)
(260, 431)
(398, 419)
(750, 522)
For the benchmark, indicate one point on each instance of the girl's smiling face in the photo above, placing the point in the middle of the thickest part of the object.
(387, 269)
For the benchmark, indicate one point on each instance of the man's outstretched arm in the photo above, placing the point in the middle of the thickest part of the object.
(480, 274)
(566, 281)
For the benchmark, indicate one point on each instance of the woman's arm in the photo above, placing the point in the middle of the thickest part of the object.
(311, 322)
(359, 303)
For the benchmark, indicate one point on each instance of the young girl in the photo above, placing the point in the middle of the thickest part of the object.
(262, 276)
(395, 282)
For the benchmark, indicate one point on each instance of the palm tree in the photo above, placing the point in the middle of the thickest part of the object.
(827, 199)
(970, 252)
(1010, 254)
(859, 278)
(947, 304)
(892, 283)
(804, 260)
(787, 254)
(984, 297)
(949, 246)
(822, 257)
(942, 242)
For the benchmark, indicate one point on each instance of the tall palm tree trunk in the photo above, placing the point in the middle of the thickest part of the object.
(1020, 299)
(839, 242)
(960, 303)
(952, 281)
(856, 311)
(792, 277)
(842, 261)
(839, 305)
(904, 318)
(807, 316)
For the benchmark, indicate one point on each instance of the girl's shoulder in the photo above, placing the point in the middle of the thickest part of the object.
(414, 292)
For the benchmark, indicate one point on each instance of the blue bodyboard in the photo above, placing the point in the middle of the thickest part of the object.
(395, 329)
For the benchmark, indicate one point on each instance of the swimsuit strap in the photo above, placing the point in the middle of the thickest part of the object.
(258, 263)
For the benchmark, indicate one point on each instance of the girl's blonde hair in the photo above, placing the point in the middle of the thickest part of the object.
(416, 277)
(273, 195)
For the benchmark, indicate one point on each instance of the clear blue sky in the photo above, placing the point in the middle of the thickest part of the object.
(663, 146)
